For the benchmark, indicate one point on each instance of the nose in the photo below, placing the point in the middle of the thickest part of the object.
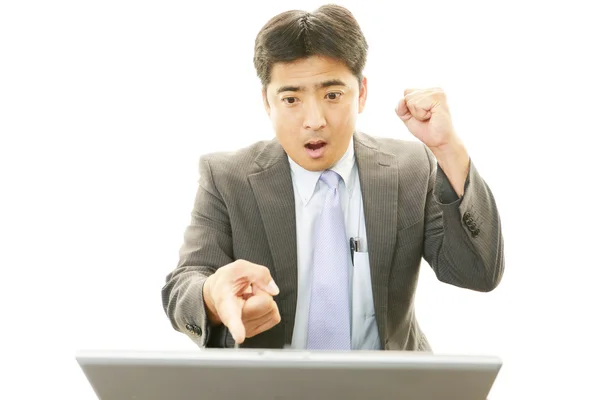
(314, 118)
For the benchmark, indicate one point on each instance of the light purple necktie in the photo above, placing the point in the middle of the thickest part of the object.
(329, 311)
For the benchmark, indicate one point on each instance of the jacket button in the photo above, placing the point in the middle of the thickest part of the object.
(475, 233)
(189, 327)
(467, 217)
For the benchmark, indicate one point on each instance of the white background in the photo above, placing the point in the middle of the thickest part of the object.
(106, 106)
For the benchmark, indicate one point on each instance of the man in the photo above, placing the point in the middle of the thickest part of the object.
(314, 240)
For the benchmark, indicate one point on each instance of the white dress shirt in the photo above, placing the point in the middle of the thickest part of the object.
(309, 194)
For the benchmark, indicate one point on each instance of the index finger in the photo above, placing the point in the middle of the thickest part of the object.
(231, 316)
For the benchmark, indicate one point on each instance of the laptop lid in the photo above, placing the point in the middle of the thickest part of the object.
(252, 374)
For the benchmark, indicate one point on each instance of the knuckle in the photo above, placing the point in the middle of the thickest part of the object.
(275, 315)
(236, 265)
(438, 92)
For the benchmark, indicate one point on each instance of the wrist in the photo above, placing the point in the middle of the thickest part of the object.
(450, 148)
(452, 154)
(454, 160)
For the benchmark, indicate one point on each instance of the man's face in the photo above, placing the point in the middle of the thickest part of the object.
(313, 104)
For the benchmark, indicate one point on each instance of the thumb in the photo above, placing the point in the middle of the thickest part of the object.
(402, 111)
(261, 277)
(231, 316)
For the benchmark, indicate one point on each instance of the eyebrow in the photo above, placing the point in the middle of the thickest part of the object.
(322, 85)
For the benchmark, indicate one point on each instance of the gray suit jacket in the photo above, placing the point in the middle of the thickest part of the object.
(244, 209)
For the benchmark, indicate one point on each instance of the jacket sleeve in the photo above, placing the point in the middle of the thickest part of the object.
(463, 236)
(207, 246)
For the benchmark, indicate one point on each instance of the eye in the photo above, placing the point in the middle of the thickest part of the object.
(333, 95)
(289, 100)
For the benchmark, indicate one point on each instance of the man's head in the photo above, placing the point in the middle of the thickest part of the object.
(310, 66)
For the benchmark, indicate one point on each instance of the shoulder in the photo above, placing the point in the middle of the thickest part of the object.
(228, 171)
(404, 153)
(238, 162)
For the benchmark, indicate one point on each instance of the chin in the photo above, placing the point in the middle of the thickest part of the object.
(317, 165)
(311, 165)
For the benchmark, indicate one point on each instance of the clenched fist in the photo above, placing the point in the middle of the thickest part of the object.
(240, 296)
(426, 115)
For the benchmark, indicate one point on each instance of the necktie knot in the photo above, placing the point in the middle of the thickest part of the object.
(331, 178)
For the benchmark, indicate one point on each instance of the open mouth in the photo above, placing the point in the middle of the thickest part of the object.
(316, 148)
(315, 145)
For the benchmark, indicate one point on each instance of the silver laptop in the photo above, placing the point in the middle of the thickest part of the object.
(251, 374)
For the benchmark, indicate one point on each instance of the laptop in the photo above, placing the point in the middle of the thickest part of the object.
(251, 374)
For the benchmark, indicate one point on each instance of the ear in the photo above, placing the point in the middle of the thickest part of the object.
(362, 96)
(266, 102)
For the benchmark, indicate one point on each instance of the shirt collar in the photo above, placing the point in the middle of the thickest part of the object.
(306, 181)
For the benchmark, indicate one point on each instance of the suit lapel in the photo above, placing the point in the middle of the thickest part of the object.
(273, 189)
(274, 193)
(378, 174)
